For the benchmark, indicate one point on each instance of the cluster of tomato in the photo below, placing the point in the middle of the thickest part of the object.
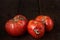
(36, 27)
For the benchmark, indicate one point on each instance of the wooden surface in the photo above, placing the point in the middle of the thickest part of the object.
(31, 9)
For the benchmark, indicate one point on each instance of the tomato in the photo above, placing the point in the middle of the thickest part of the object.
(36, 29)
(47, 21)
(16, 26)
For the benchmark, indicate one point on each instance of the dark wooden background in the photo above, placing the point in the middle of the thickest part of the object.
(31, 9)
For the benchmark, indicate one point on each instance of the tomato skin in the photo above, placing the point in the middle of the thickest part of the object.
(36, 29)
(47, 21)
(16, 26)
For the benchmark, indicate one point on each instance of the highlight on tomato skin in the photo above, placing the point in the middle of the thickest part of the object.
(49, 23)
(16, 26)
(36, 29)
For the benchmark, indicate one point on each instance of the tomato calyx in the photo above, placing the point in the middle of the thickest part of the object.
(15, 20)
(20, 17)
(36, 31)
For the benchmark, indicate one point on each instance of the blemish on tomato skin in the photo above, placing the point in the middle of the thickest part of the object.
(36, 31)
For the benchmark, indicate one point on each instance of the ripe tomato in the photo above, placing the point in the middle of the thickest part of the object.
(47, 21)
(36, 29)
(16, 26)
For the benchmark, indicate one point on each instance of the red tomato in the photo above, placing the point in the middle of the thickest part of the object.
(47, 21)
(36, 29)
(16, 26)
